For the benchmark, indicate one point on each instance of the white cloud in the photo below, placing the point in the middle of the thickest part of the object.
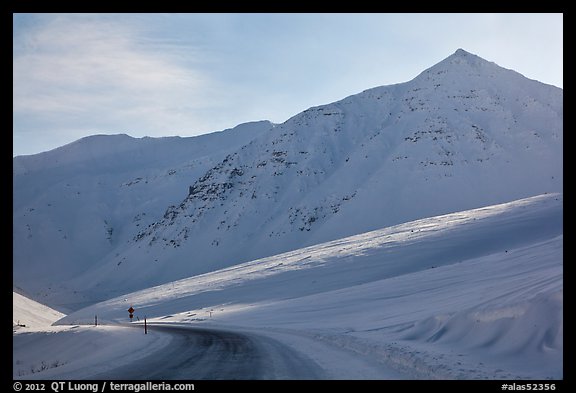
(72, 67)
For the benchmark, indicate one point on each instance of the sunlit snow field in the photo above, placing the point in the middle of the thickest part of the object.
(471, 295)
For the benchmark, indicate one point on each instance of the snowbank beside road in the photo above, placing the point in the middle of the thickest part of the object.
(78, 352)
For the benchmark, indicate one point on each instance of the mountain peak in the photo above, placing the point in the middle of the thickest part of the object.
(464, 67)
(461, 53)
(463, 57)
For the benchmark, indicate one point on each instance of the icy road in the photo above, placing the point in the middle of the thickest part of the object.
(199, 353)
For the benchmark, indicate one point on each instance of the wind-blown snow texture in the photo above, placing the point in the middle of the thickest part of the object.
(470, 295)
(110, 215)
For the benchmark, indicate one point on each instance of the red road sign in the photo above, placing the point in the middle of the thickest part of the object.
(131, 310)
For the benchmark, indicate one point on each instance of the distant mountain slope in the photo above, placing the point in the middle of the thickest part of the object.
(78, 203)
(463, 134)
(26, 313)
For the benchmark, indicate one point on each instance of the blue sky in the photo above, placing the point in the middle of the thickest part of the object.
(76, 75)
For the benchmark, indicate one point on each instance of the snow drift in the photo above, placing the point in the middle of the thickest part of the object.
(476, 294)
(27, 313)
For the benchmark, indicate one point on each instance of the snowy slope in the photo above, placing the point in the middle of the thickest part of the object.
(475, 294)
(463, 134)
(31, 314)
(41, 350)
(78, 203)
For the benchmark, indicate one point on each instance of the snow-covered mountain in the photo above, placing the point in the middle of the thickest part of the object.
(76, 204)
(109, 215)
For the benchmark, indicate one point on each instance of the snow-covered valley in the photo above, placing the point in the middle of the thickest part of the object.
(472, 295)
